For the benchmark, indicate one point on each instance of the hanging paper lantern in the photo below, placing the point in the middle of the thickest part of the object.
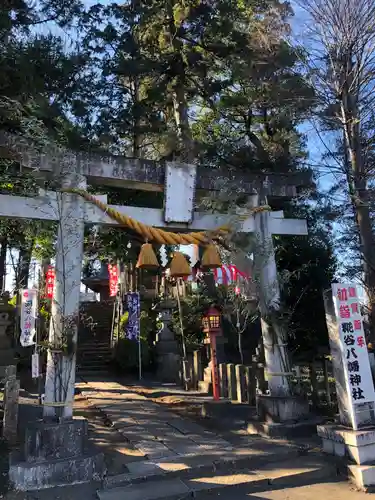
(211, 258)
(179, 266)
(147, 258)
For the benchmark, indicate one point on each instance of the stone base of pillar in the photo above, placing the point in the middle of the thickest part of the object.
(168, 363)
(357, 446)
(281, 409)
(283, 431)
(282, 416)
(55, 454)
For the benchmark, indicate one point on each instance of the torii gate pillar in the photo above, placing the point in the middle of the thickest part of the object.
(279, 412)
(61, 364)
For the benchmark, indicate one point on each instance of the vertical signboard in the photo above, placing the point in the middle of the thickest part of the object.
(133, 308)
(354, 352)
(29, 300)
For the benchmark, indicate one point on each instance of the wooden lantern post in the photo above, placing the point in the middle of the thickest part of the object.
(212, 328)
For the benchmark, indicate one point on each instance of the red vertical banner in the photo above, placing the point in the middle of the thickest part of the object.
(50, 282)
(113, 280)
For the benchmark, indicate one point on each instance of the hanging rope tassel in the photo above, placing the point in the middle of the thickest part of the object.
(147, 258)
(211, 258)
(179, 267)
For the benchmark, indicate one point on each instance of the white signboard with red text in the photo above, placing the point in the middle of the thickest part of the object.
(29, 300)
(356, 361)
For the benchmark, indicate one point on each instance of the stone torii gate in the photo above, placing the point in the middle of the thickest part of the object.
(180, 184)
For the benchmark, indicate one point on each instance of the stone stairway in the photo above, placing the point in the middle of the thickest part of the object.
(94, 352)
(93, 358)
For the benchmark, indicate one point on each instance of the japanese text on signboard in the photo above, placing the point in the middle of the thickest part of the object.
(133, 307)
(28, 317)
(50, 282)
(353, 344)
(113, 280)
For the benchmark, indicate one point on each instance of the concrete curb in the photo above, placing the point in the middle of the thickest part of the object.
(228, 464)
(251, 481)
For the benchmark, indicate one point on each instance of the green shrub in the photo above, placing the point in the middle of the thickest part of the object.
(126, 355)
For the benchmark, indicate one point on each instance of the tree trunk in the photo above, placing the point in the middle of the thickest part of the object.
(23, 266)
(180, 105)
(182, 121)
(240, 350)
(3, 267)
(358, 189)
(137, 138)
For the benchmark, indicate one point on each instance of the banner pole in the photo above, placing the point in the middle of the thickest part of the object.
(139, 338)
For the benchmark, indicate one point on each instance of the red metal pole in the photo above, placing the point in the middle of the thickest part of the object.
(215, 371)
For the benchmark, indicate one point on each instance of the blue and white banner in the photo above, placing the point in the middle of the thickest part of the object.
(133, 307)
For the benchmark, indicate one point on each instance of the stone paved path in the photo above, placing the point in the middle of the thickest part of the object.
(162, 437)
(182, 459)
(154, 431)
(176, 458)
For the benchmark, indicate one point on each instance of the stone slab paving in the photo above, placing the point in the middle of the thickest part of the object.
(156, 432)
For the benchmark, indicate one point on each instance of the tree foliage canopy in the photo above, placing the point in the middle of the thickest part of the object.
(215, 83)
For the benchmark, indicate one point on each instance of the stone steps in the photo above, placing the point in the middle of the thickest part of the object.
(94, 354)
(98, 367)
(90, 372)
(187, 467)
(99, 354)
(92, 344)
(93, 359)
(88, 360)
(244, 476)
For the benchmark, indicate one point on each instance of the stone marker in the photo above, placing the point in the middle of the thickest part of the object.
(223, 380)
(167, 349)
(240, 382)
(10, 371)
(10, 418)
(250, 385)
(232, 386)
(355, 435)
(6, 349)
(197, 368)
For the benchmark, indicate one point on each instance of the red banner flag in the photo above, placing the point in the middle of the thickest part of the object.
(50, 282)
(113, 279)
